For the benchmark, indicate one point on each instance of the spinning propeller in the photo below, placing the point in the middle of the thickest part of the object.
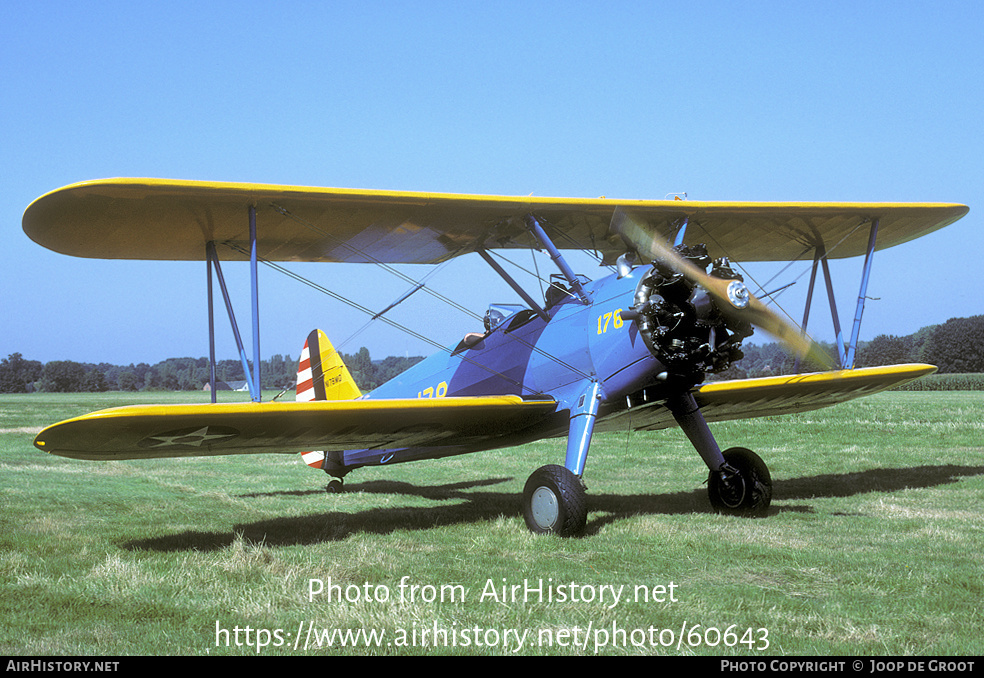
(731, 297)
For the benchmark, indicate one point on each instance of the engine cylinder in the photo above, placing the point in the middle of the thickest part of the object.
(681, 323)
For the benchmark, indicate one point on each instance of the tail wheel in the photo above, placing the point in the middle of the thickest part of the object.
(554, 502)
(744, 487)
(334, 486)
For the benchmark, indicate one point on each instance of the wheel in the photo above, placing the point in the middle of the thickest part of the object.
(554, 502)
(745, 492)
(334, 486)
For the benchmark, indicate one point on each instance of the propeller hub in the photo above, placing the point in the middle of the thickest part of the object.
(738, 294)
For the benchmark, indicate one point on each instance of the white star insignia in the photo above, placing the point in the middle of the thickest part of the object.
(191, 439)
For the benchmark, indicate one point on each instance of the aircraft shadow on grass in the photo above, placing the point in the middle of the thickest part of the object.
(463, 505)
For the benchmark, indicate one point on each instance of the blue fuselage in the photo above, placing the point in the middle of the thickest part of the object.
(528, 356)
(584, 350)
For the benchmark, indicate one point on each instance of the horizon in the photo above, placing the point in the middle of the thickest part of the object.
(287, 356)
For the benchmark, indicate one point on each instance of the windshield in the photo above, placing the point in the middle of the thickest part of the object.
(499, 313)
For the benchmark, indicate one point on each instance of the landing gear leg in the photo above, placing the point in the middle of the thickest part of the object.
(739, 482)
(554, 499)
(333, 466)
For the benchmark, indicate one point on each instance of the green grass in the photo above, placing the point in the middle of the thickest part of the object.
(873, 546)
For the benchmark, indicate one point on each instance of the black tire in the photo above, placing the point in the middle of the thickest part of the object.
(334, 486)
(749, 493)
(554, 502)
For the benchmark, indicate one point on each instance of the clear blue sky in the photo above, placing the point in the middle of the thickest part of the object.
(866, 101)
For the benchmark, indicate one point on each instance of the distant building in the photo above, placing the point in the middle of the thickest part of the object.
(228, 386)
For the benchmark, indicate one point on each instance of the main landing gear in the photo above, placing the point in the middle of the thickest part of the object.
(739, 483)
(555, 501)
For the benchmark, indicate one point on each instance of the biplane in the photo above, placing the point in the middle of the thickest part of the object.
(629, 350)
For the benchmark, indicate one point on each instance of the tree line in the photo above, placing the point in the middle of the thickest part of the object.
(955, 346)
(20, 375)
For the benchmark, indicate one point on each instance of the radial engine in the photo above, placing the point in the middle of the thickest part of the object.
(682, 325)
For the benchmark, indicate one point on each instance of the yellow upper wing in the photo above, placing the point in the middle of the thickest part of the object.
(165, 219)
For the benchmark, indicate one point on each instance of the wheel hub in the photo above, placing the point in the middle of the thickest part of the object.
(732, 489)
(544, 507)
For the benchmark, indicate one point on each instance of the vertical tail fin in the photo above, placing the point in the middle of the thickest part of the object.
(321, 375)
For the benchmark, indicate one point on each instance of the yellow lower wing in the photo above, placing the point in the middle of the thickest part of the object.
(154, 431)
(747, 398)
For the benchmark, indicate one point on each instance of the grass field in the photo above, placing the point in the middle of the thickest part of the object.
(873, 547)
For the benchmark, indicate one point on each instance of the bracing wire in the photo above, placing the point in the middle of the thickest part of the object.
(392, 323)
(418, 285)
(761, 286)
(386, 267)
